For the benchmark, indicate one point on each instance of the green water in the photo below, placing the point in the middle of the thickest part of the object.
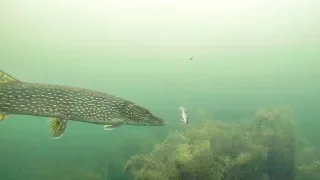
(247, 55)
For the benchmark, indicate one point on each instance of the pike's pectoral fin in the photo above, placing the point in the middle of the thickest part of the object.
(57, 127)
(5, 78)
(108, 127)
(3, 116)
(114, 123)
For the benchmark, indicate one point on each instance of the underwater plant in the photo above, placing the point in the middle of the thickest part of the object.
(263, 148)
(308, 163)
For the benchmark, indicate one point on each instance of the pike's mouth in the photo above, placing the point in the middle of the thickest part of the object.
(148, 122)
(160, 122)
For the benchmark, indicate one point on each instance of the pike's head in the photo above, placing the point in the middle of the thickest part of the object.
(139, 116)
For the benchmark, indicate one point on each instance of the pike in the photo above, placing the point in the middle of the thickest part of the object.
(63, 103)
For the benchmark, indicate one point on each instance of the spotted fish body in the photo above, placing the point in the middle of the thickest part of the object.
(69, 103)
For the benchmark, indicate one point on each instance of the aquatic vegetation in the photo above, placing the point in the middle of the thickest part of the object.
(265, 147)
(259, 148)
(308, 164)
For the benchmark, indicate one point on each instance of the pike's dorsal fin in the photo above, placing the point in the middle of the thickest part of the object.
(5, 78)
(57, 127)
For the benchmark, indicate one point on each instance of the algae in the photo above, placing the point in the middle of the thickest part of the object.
(264, 147)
